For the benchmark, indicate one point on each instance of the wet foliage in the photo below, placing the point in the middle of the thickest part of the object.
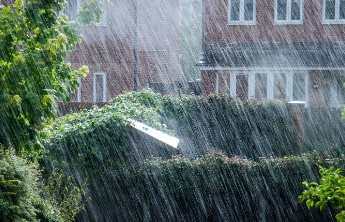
(21, 196)
(251, 128)
(33, 75)
(95, 137)
(213, 187)
(330, 192)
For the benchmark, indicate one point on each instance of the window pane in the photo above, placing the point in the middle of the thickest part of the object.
(339, 81)
(342, 9)
(281, 9)
(71, 9)
(260, 85)
(295, 9)
(242, 87)
(235, 10)
(279, 86)
(99, 88)
(330, 9)
(248, 10)
(298, 87)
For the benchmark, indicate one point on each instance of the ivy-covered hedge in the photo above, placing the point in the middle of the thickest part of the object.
(251, 128)
(212, 187)
(93, 138)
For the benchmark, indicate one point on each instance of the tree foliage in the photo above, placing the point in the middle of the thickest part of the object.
(329, 193)
(33, 73)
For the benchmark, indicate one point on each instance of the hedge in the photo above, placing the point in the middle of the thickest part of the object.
(212, 187)
(251, 128)
(93, 138)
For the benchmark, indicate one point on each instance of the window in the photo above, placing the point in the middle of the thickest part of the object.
(71, 9)
(242, 86)
(279, 91)
(99, 87)
(298, 87)
(288, 11)
(340, 89)
(260, 85)
(241, 12)
(268, 85)
(334, 11)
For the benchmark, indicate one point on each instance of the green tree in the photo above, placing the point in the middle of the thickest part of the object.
(35, 43)
(329, 193)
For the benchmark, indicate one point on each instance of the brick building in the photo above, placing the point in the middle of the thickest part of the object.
(276, 49)
(147, 28)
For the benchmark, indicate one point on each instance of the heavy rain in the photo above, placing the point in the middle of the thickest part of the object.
(172, 110)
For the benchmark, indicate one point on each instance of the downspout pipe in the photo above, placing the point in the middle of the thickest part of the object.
(202, 60)
(135, 48)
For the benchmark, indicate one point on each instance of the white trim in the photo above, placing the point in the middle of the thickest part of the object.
(267, 69)
(79, 90)
(251, 85)
(104, 85)
(217, 82)
(233, 84)
(336, 20)
(289, 85)
(306, 89)
(271, 76)
(288, 20)
(241, 19)
(270, 86)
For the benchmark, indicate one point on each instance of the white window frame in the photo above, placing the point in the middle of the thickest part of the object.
(104, 85)
(79, 90)
(271, 75)
(63, 11)
(242, 21)
(337, 13)
(288, 14)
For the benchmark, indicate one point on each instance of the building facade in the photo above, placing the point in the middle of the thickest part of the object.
(136, 43)
(275, 49)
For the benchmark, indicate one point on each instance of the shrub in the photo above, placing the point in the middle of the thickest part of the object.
(93, 137)
(330, 192)
(212, 187)
(20, 194)
(251, 128)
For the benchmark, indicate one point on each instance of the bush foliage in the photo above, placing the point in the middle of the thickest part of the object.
(21, 198)
(213, 187)
(330, 193)
(252, 128)
(94, 138)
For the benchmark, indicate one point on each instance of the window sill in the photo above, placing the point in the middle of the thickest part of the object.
(242, 23)
(333, 22)
(288, 22)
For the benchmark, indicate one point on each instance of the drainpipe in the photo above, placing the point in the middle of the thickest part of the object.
(202, 60)
(135, 50)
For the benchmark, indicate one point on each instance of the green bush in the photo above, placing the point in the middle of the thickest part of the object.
(20, 192)
(251, 128)
(330, 192)
(94, 138)
(212, 187)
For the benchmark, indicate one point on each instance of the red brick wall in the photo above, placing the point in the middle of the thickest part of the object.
(110, 48)
(312, 29)
(208, 80)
